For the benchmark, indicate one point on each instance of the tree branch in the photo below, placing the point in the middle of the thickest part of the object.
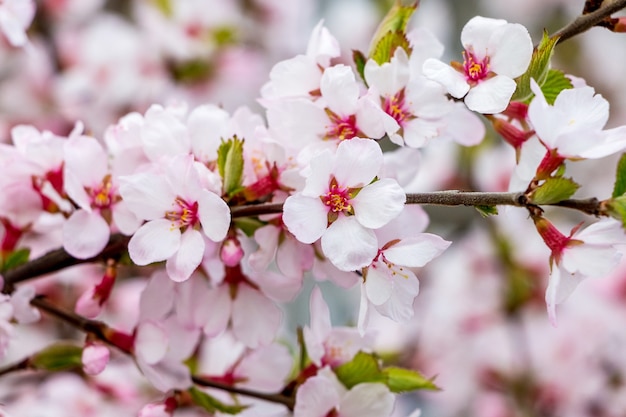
(586, 21)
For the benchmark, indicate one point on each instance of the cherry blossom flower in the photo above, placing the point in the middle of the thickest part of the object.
(15, 17)
(323, 395)
(591, 252)
(495, 53)
(175, 205)
(342, 202)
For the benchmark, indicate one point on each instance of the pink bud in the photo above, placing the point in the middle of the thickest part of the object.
(95, 358)
(164, 409)
(87, 305)
(231, 252)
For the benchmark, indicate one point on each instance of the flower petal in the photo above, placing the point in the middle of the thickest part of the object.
(444, 74)
(85, 234)
(357, 162)
(349, 245)
(305, 217)
(378, 285)
(155, 241)
(367, 400)
(416, 251)
(491, 96)
(181, 264)
(214, 215)
(378, 203)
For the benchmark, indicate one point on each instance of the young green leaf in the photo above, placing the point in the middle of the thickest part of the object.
(395, 21)
(405, 380)
(14, 259)
(212, 405)
(556, 81)
(362, 368)
(58, 357)
(230, 165)
(537, 69)
(487, 211)
(620, 177)
(554, 190)
(359, 61)
(617, 209)
(386, 47)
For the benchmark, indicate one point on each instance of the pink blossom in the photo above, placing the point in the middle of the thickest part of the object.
(495, 53)
(342, 203)
(95, 358)
(15, 17)
(175, 205)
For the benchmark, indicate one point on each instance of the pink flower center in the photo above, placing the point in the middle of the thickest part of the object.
(341, 128)
(184, 214)
(104, 195)
(337, 199)
(396, 107)
(475, 69)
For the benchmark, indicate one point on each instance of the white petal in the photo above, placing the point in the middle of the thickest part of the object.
(85, 234)
(491, 96)
(378, 285)
(444, 74)
(510, 50)
(206, 126)
(378, 203)
(399, 307)
(348, 245)
(147, 195)
(124, 219)
(214, 215)
(316, 397)
(220, 302)
(155, 241)
(416, 251)
(181, 265)
(85, 158)
(321, 170)
(305, 217)
(255, 319)
(357, 162)
(367, 400)
(151, 342)
(477, 33)
(339, 88)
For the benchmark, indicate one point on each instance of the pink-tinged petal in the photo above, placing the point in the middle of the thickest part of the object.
(87, 305)
(183, 339)
(378, 203)
(390, 77)
(322, 45)
(604, 232)
(444, 74)
(293, 257)
(560, 286)
(305, 217)
(181, 264)
(277, 286)
(151, 342)
(155, 410)
(75, 189)
(411, 221)
(491, 96)
(367, 400)
(95, 358)
(463, 126)
(399, 307)
(85, 158)
(349, 245)
(357, 162)
(427, 99)
(342, 344)
(125, 220)
(85, 234)
(214, 215)
(293, 77)
(207, 124)
(510, 50)
(477, 34)
(23, 311)
(191, 306)
(614, 140)
(221, 305)
(582, 108)
(321, 166)
(364, 312)
(255, 318)
(267, 239)
(324, 270)
(372, 120)
(589, 260)
(166, 375)
(340, 89)
(418, 132)
(266, 368)
(14, 28)
(148, 195)
(378, 283)
(163, 134)
(320, 326)
(316, 398)
(155, 241)
(182, 176)
(299, 122)
(416, 251)
(157, 299)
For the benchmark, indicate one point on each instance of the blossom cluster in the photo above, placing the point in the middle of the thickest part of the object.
(174, 183)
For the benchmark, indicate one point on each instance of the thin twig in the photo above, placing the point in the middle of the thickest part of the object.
(586, 21)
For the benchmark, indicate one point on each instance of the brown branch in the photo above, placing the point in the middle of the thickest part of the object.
(275, 398)
(586, 21)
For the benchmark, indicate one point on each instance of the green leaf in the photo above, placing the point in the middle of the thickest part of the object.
(212, 404)
(230, 165)
(556, 81)
(165, 7)
(15, 259)
(191, 71)
(359, 61)
(554, 190)
(620, 178)
(362, 368)
(537, 69)
(617, 209)
(395, 21)
(248, 225)
(386, 47)
(58, 357)
(404, 380)
(487, 211)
